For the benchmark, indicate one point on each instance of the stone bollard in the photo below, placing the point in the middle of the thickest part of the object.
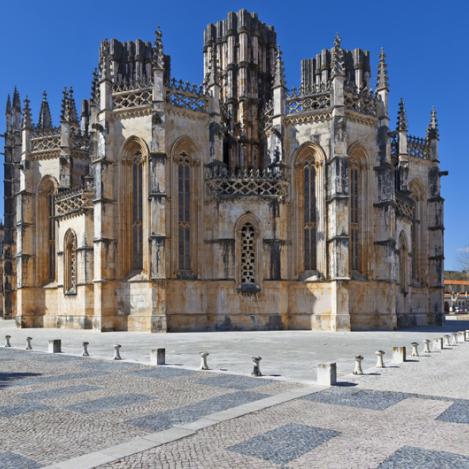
(327, 374)
(203, 360)
(85, 349)
(461, 336)
(415, 349)
(447, 340)
(28, 343)
(256, 370)
(398, 354)
(426, 346)
(117, 355)
(158, 357)
(357, 369)
(7, 341)
(438, 343)
(467, 335)
(55, 346)
(454, 339)
(379, 359)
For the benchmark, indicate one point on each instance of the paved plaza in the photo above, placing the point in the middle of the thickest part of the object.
(67, 411)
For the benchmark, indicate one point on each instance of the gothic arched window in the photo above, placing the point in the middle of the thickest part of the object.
(184, 214)
(137, 213)
(309, 216)
(70, 262)
(46, 236)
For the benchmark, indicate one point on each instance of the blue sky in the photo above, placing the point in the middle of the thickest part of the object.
(52, 44)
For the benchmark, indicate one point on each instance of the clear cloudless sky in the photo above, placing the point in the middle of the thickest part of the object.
(46, 45)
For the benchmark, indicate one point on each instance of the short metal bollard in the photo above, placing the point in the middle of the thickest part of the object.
(158, 357)
(426, 346)
(55, 346)
(415, 349)
(357, 369)
(7, 341)
(85, 349)
(326, 374)
(117, 355)
(447, 340)
(438, 343)
(256, 370)
(461, 336)
(28, 343)
(379, 359)
(454, 339)
(398, 354)
(203, 360)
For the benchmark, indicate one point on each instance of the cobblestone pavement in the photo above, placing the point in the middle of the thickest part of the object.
(55, 407)
(415, 415)
(74, 412)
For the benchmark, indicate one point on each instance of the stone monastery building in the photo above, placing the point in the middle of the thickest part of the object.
(236, 204)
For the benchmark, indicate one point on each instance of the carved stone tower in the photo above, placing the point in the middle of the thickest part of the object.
(239, 54)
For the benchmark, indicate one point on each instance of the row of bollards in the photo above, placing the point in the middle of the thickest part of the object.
(327, 372)
(157, 356)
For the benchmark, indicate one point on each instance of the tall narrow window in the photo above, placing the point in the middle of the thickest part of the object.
(309, 216)
(355, 218)
(248, 255)
(51, 237)
(70, 263)
(184, 215)
(403, 259)
(137, 215)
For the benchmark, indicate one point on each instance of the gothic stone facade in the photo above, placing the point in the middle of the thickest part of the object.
(237, 204)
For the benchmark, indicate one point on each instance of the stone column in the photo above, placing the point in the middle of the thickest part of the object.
(28, 306)
(157, 193)
(338, 199)
(104, 206)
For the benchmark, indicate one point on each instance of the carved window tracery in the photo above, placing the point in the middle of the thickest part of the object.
(51, 236)
(70, 263)
(184, 214)
(248, 255)
(355, 191)
(309, 216)
(137, 212)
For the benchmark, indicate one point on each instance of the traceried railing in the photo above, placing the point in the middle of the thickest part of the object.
(264, 183)
(187, 95)
(131, 84)
(132, 98)
(48, 142)
(302, 101)
(73, 202)
(417, 147)
(404, 206)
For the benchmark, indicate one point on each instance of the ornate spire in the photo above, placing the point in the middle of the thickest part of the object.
(64, 109)
(105, 67)
(279, 78)
(382, 81)
(16, 100)
(401, 117)
(45, 119)
(94, 85)
(432, 130)
(72, 107)
(8, 106)
(158, 55)
(338, 58)
(27, 118)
